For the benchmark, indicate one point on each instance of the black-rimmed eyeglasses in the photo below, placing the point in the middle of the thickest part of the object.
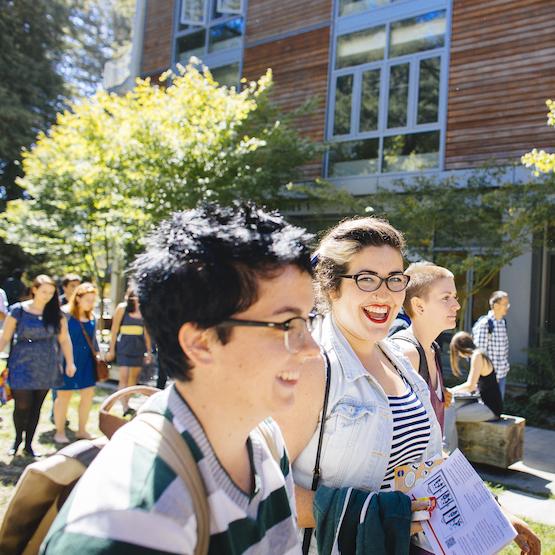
(369, 281)
(297, 329)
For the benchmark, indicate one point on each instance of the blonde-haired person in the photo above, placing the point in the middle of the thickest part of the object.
(39, 330)
(130, 344)
(360, 282)
(431, 302)
(481, 378)
(80, 321)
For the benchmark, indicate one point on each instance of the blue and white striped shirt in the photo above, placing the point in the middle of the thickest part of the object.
(411, 432)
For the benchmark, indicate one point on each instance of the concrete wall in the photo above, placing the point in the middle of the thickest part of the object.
(516, 279)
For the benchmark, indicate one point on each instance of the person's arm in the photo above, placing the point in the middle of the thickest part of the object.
(480, 334)
(478, 366)
(148, 344)
(67, 347)
(116, 323)
(3, 305)
(411, 352)
(526, 539)
(8, 331)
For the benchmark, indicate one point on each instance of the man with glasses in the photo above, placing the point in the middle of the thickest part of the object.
(490, 335)
(227, 295)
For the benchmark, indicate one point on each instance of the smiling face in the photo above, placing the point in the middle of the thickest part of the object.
(254, 366)
(86, 303)
(366, 316)
(43, 293)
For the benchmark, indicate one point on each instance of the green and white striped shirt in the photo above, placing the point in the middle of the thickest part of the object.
(130, 501)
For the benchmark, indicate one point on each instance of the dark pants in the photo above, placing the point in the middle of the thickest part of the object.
(26, 413)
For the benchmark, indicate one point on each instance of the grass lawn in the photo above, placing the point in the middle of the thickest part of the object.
(12, 467)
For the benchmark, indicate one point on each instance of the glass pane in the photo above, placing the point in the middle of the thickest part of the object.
(192, 11)
(398, 96)
(370, 100)
(347, 7)
(229, 6)
(226, 35)
(227, 76)
(191, 45)
(406, 153)
(360, 47)
(343, 102)
(354, 158)
(428, 90)
(423, 32)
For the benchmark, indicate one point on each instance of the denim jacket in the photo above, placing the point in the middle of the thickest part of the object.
(358, 425)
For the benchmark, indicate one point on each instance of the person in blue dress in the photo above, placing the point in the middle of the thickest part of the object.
(80, 320)
(39, 330)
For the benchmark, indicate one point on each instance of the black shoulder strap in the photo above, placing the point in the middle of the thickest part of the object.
(423, 369)
(316, 472)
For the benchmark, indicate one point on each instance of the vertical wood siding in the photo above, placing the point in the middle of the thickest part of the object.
(502, 70)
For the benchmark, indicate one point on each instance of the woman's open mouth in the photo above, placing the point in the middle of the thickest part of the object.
(377, 313)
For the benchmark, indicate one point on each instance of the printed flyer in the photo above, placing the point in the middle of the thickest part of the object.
(467, 519)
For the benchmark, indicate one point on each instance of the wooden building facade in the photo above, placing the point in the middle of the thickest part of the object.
(402, 87)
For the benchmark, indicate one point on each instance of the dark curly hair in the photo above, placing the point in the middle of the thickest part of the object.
(341, 243)
(202, 266)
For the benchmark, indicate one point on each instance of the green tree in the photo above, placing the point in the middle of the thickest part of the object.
(31, 87)
(480, 224)
(541, 161)
(97, 31)
(112, 166)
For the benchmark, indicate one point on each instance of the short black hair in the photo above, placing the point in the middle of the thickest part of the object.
(202, 266)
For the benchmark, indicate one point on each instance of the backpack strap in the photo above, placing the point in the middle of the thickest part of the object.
(423, 369)
(156, 433)
(308, 532)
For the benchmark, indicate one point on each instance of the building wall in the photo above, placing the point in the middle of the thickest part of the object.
(502, 70)
(293, 39)
(516, 279)
(158, 33)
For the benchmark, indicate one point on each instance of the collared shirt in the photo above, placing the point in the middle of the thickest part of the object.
(495, 344)
(130, 501)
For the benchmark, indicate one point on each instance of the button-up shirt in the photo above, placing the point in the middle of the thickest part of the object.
(494, 344)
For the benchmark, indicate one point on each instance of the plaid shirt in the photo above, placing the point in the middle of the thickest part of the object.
(495, 344)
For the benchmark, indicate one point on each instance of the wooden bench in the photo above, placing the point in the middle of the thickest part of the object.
(498, 443)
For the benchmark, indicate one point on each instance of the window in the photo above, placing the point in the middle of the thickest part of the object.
(385, 93)
(212, 30)
(348, 7)
(193, 12)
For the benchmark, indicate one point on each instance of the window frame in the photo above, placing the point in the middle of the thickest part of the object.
(217, 58)
(400, 10)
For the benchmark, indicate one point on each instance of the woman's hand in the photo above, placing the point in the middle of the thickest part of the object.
(110, 356)
(427, 504)
(70, 370)
(148, 358)
(526, 540)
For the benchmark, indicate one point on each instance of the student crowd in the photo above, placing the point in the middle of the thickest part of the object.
(253, 327)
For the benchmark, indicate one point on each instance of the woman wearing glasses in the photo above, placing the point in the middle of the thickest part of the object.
(378, 414)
